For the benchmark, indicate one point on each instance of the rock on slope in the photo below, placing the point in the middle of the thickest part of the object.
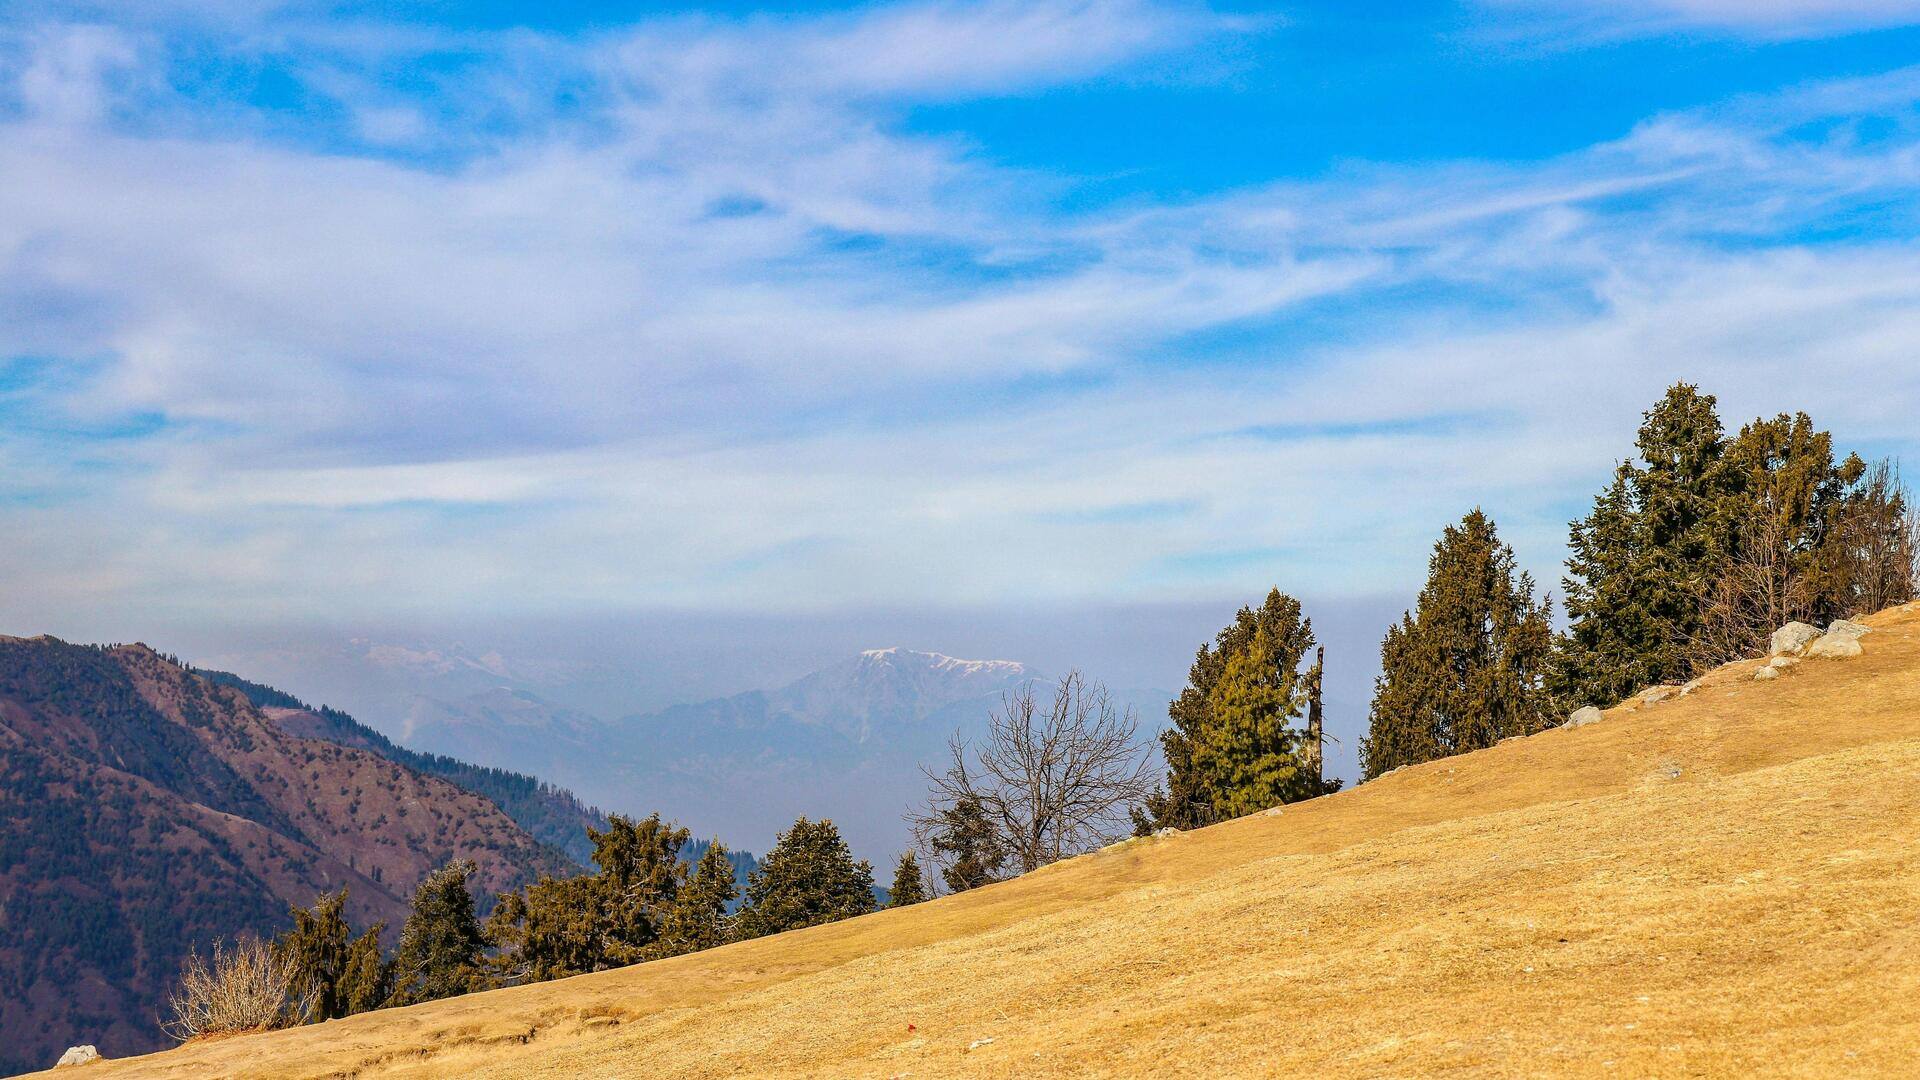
(144, 810)
(1719, 884)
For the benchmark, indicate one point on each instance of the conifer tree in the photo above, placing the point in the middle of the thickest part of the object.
(965, 839)
(908, 889)
(1466, 668)
(366, 982)
(334, 973)
(698, 917)
(554, 928)
(1232, 748)
(639, 879)
(1644, 562)
(807, 879)
(441, 946)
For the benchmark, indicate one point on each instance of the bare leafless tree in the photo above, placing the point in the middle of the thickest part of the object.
(1051, 779)
(1876, 542)
(1764, 586)
(245, 988)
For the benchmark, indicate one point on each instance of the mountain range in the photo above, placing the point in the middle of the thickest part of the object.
(146, 811)
(846, 742)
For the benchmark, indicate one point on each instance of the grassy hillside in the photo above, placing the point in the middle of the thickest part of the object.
(1720, 884)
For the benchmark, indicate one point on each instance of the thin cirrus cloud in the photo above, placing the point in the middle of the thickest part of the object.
(1761, 19)
(684, 313)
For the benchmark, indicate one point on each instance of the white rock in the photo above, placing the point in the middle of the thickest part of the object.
(1654, 695)
(78, 1055)
(1766, 673)
(1792, 638)
(1583, 716)
(1161, 834)
(1783, 661)
(1849, 628)
(1835, 647)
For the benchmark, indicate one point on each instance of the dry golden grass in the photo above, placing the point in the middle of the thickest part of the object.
(1726, 884)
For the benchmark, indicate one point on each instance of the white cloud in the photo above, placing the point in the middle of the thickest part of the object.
(726, 337)
(1766, 19)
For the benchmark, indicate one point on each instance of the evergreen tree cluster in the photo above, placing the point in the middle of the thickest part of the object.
(1699, 548)
(1703, 544)
(644, 902)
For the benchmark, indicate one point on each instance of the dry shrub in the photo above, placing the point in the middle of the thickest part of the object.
(245, 988)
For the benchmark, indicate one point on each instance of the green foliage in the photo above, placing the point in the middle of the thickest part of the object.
(441, 946)
(1644, 560)
(969, 844)
(335, 974)
(1467, 667)
(908, 888)
(558, 927)
(698, 917)
(1704, 545)
(640, 877)
(1232, 748)
(807, 879)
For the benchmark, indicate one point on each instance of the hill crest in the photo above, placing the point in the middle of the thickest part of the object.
(1719, 883)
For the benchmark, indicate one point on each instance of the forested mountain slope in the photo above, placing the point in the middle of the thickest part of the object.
(551, 814)
(1720, 883)
(145, 811)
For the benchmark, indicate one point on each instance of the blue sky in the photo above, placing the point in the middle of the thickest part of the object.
(448, 310)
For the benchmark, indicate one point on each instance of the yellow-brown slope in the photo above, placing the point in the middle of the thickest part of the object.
(1722, 884)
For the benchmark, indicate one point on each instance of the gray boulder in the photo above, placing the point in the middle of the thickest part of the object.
(1793, 638)
(1767, 673)
(78, 1055)
(1849, 628)
(1654, 695)
(1583, 716)
(1835, 647)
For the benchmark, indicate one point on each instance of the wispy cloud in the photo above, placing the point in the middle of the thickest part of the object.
(1762, 19)
(686, 313)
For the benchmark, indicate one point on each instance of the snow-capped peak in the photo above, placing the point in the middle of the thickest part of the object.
(943, 663)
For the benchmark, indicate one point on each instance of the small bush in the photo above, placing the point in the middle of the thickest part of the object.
(242, 989)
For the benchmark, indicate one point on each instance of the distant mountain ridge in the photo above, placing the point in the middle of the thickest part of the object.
(845, 742)
(145, 811)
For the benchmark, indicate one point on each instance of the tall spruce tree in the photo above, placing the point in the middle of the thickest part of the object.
(441, 946)
(1466, 668)
(807, 879)
(1644, 562)
(698, 917)
(1232, 748)
(335, 974)
(640, 877)
(908, 889)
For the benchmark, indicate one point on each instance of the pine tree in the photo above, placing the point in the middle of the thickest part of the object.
(908, 889)
(334, 973)
(1704, 545)
(807, 879)
(1644, 562)
(639, 879)
(554, 928)
(366, 982)
(441, 946)
(1467, 667)
(698, 917)
(965, 839)
(1232, 748)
